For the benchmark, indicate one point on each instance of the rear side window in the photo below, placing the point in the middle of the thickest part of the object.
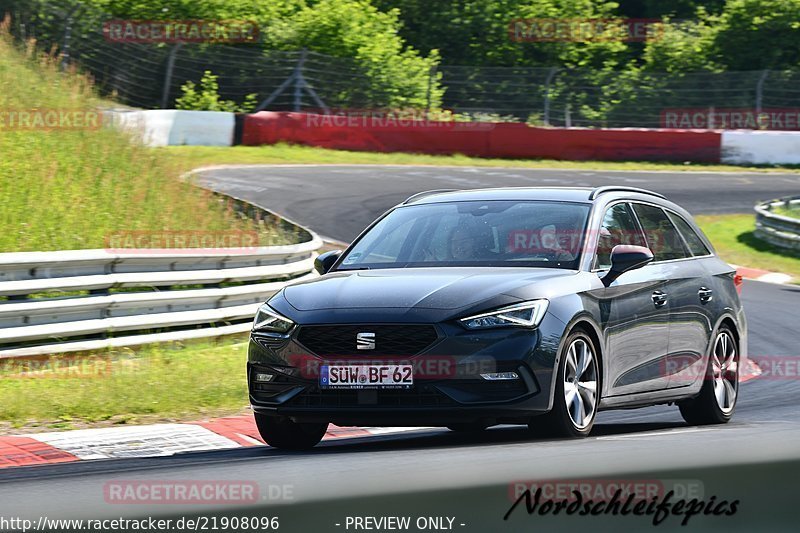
(693, 240)
(662, 237)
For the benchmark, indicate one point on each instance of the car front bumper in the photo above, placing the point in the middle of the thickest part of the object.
(448, 386)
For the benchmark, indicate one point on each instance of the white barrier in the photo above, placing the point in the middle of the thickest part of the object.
(761, 147)
(170, 127)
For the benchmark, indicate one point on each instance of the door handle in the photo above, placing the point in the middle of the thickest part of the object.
(659, 298)
(705, 294)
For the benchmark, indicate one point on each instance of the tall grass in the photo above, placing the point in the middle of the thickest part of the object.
(70, 189)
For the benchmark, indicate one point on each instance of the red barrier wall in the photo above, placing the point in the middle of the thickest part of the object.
(480, 139)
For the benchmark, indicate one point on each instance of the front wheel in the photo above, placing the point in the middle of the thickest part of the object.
(577, 391)
(288, 435)
(717, 399)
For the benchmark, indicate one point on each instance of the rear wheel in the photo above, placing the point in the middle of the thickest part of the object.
(577, 391)
(288, 435)
(717, 399)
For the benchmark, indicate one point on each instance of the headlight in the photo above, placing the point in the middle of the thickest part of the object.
(527, 314)
(268, 319)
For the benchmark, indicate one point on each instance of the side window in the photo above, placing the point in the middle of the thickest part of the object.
(662, 237)
(618, 227)
(693, 240)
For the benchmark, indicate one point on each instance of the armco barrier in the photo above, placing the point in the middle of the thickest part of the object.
(230, 289)
(761, 147)
(137, 296)
(170, 127)
(480, 139)
(779, 230)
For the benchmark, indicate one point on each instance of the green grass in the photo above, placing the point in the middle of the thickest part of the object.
(732, 236)
(71, 189)
(188, 157)
(792, 211)
(155, 382)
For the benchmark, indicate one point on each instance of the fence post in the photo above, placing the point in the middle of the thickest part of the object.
(760, 92)
(431, 76)
(168, 75)
(298, 81)
(548, 81)
(67, 38)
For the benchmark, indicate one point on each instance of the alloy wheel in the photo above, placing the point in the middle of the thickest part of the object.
(580, 383)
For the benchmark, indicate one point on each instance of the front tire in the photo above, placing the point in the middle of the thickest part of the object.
(577, 391)
(288, 435)
(717, 399)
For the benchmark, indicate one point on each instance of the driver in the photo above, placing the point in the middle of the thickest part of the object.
(462, 244)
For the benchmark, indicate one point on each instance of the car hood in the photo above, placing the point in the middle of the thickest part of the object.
(421, 288)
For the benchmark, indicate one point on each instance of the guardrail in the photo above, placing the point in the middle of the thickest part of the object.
(131, 298)
(779, 230)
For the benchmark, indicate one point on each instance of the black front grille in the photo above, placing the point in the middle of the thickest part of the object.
(417, 396)
(395, 340)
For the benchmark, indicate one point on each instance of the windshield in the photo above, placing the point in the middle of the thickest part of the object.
(476, 233)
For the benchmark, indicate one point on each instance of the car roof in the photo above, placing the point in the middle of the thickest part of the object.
(563, 194)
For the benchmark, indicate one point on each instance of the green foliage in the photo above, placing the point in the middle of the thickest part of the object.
(205, 97)
(356, 29)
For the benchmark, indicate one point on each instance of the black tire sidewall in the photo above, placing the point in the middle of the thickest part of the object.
(559, 417)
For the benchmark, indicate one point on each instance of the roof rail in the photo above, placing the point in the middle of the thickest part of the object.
(423, 194)
(597, 191)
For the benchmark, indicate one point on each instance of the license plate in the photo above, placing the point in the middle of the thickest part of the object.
(365, 376)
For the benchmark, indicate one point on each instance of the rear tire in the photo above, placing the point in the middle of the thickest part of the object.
(285, 434)
(717, 399)
(577, 391)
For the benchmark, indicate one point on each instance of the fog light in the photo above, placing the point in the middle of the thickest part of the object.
(500, 376)
(263, 377)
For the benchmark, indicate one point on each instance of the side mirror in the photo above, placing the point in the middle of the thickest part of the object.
(625, 257)
(324, 262)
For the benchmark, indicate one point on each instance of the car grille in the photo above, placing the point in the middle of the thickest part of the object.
(395, 340)
(417, 396)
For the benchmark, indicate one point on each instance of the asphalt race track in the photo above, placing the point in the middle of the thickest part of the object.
(470, 474)
(339, 201)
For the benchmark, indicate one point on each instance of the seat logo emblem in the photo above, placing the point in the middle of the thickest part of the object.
(365, 341)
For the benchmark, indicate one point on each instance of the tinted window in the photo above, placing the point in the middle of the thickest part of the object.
(693, 240)
(491, 233)
(618, 227)
(662, 237)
